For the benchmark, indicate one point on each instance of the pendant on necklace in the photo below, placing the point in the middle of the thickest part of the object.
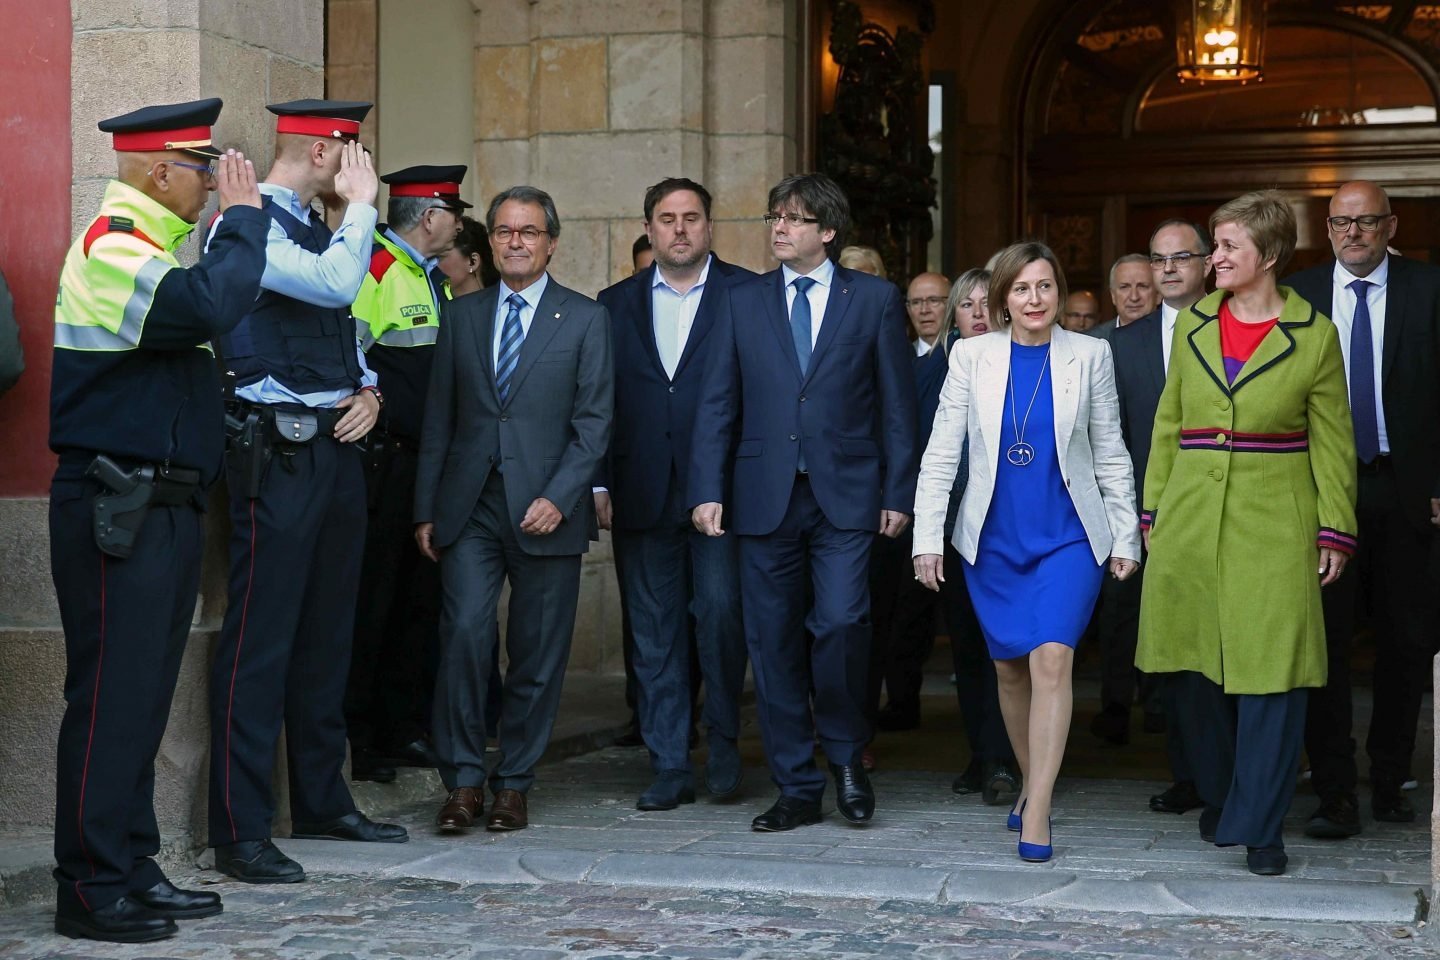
(1020, 454)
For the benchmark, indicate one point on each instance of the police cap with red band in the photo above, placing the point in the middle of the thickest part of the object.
(437, 183)
(166, 126)
(339, 119)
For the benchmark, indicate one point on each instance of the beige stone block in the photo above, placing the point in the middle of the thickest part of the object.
(241, 75)
(32, 676)
(289, 80)
(162, 66)
(502, 22)
(571, 18)
(570, 80)
(351, 38)
(499, 165)
(623, 233)
(739, 172)
(101, 14)
(582, 257)
(657, 82)
(502, 92)
(85, 197)
(746, 242)
(291, 28)
(738, 18)
(351, 83)
(606, 174)
(26, 592)
(746, 92)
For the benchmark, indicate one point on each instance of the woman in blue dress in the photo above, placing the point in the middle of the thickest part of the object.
(1049, 506)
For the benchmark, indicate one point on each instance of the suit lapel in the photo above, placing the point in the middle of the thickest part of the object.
(1395, 303)
(1064, 397)
(992, 376)
(549, 314)
(642, 311)
(1154, 351)
(779, 316)
(836, 307)
(483, 330)
(704, 319)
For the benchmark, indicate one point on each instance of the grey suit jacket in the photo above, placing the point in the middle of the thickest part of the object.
(550, 434)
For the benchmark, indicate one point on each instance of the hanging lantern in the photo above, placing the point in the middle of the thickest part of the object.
(1220, 40)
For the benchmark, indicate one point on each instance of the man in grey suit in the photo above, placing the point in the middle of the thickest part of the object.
(1132, 290)
(516, 422)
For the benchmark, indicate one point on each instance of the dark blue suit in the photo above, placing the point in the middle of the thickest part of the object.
(667, 570)
(854, 414)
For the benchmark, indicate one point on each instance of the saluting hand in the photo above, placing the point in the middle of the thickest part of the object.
(356, 182)
(235, 181)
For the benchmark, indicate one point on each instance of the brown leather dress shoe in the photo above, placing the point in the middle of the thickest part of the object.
(462, 808)
(508, 812)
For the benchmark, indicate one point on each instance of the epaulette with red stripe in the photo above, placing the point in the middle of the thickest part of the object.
(380, 261)
(104, 225)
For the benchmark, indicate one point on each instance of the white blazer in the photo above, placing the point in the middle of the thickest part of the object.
(1090, 447)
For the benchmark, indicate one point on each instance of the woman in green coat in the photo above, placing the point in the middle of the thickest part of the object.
(1249, 512)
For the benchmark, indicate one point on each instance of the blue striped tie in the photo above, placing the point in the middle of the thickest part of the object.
(511, 336)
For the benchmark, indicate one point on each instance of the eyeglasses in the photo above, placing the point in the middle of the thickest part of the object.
(794, 219)
(526, 234)
(1178, 259)
(207, 170)
(918, 302)
(1368, 223)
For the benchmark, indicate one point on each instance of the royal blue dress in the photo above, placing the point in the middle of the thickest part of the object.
(1035, 579)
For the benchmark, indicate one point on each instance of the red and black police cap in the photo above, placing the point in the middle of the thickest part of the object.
(166, 126)
(321, 118)
(439, 183)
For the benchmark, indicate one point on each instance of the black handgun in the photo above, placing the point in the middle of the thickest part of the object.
(249, 443)
(120, 514)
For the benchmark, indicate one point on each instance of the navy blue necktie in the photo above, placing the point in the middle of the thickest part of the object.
(800, 321)
(1362, 377)
(511, 336)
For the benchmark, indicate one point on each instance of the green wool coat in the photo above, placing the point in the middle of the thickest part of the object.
(1246, 482)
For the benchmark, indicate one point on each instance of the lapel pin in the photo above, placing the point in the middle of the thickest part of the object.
(557, 316)
(844, 289)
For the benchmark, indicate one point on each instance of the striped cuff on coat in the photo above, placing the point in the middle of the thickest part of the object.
(1147, 519)
(1335, 540)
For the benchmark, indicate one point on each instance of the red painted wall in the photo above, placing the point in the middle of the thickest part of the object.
(34, 222)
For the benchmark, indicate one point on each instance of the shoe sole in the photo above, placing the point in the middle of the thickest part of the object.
(857, 820)
(804, 823)
(505, 826)
(1331, 831)
(297, 878)
(453, 827)
(79, 931)
(993, 796)
(653, 807)
(326, 836)
(723, 793)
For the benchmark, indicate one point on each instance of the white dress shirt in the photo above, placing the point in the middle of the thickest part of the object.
(1168, 316)
(531, 295)
(921, 347)
(673, 315)
(1342, 313)
(818, 295)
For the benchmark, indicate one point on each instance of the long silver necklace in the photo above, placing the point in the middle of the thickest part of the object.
(1021, 453)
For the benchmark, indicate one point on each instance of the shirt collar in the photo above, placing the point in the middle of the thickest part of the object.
(1168, 314)
(423, 262)
(659, 281)
(1379, 276)
(531, 294)
(287, 198)
(823, 274)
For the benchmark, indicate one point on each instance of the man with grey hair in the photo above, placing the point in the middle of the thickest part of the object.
(1132, 290)
(517, 420)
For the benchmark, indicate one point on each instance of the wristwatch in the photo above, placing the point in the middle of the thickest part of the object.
(379, 397)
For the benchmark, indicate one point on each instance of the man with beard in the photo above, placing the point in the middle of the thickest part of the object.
(661, 319)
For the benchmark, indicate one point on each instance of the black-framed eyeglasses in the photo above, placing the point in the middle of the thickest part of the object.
(793, 219)
(1368, 223)
(205, 169)
(918, 302)
(1178, 259)
(527, 234)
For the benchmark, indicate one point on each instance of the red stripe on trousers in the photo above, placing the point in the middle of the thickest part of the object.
(230, 707)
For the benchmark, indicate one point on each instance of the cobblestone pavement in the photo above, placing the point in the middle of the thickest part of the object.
(348, 918)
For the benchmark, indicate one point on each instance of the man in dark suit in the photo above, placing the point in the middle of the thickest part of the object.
(516, 423)
(661, 324)
(810, 403)
(1179, 263)
(1387, 312)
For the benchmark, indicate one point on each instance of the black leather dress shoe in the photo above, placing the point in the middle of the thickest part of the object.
(1179, 798)
(170, 900)
(1209, 821)
(670, 789)
(257, 861)
(1336, 818)
(416, 753)
(723, 770)
(355, 827)
(1391, 806)
(787, 814)
(1266, 861)
(1002, 785)
(971, 780)
(123, 921)
(854, 797)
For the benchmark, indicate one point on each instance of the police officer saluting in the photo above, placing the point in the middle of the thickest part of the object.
(397, 317)
(303, 396)
(136, 419)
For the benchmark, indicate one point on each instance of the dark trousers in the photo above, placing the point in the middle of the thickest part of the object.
(1395, 561)
(1172, 702)
(627, 650)
(284, 651)
(902, 613)
(676, 576)
(975, 684)
(1245, 753)
(772, 582)
(541, 622)
(125, 623)
(1118, 628)
(397, 616)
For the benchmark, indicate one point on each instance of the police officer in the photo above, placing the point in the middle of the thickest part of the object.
(397, 317)
(297, 504)
(136, 419)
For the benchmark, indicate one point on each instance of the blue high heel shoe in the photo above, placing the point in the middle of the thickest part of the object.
(1012, 821)
(1038, 852)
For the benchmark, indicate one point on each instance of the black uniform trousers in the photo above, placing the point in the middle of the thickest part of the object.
(125, 623)
(975, 683)
(284, 651)
(902, 614)
(1395, 562)
(397, 614)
